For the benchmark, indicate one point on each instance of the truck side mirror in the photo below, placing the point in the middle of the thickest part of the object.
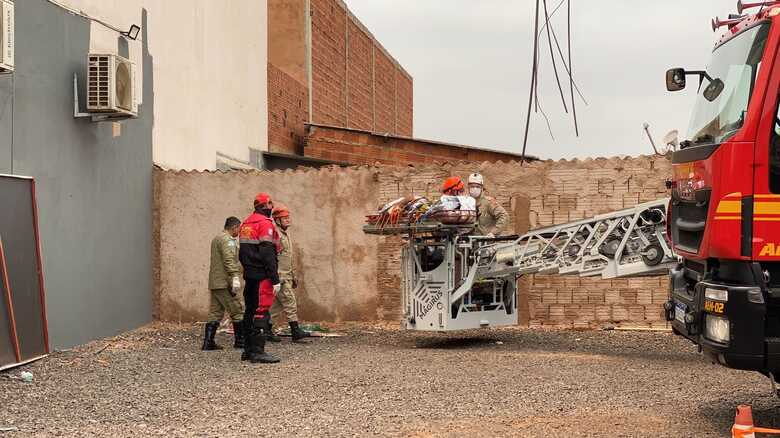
(675, 79)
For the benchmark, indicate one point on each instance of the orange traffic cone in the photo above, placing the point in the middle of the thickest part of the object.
(743, 423)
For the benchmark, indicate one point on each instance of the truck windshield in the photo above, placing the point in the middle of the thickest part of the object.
(736, 63)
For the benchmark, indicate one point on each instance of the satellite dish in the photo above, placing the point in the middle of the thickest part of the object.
(671, 139)
(124, 88)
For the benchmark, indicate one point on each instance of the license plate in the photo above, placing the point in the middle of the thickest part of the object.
(679, 312)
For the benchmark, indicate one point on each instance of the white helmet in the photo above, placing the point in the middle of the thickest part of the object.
(476, 178)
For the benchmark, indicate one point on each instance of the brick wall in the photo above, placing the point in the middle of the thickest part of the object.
(554, 192)
(288, 111)
(328, 53)
(404, 98)
(355, 82)
(360, 98)
(362, 147)
(354, 79)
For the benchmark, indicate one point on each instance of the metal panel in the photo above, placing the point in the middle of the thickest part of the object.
(9, 347)
(18, 232)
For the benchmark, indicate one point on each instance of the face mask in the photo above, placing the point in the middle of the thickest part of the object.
(265, 211)
(475, 191)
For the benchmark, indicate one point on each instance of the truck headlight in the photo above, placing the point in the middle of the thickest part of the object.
(716, 294)
(716, 328)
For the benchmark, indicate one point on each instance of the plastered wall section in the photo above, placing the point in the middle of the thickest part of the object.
(210, 73)
(540, 194)
(335, 261)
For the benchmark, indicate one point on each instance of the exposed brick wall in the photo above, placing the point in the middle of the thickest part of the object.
(360, 90)
(555, 192)
(384, 87)
(404, 97)
(353, 77)
(329, 71)
(360, 147)
(288, 111)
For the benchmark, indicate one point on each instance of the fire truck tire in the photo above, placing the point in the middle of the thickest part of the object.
(653, 254)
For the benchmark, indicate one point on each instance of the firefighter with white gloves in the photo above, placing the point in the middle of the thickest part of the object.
(492, 218)
(224, 284)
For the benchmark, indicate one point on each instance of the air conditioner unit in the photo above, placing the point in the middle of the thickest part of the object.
(111, 85)
(6, 36)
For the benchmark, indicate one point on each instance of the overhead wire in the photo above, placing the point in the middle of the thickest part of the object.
(533, 82)
(563, 58)
(571, 76)
(552, 56)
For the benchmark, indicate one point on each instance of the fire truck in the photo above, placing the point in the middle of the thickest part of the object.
(723, 217)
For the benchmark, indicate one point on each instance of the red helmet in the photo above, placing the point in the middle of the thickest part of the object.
(262, 199)
(281, 211)
(453, 183)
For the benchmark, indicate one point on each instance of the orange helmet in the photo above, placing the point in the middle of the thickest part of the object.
(281, 211)
(453, 183)
(262, 199)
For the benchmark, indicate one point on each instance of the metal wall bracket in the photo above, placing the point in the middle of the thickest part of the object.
(95, 117)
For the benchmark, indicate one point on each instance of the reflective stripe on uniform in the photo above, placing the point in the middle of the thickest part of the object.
(256, 241)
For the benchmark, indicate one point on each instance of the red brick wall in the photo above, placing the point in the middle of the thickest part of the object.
(288, 111)
(353, 79)
(360, 90)
(358, 147)
(384, 87)
(404, 102)
(329, 72)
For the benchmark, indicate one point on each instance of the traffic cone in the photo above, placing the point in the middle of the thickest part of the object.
(743, 423)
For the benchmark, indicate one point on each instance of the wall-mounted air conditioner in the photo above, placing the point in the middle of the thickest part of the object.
(111, 85)
(6, 36)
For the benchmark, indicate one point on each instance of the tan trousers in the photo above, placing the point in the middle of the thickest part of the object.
(285, 303)
(221, 302)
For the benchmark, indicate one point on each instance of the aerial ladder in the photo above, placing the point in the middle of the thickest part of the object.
(454, 280)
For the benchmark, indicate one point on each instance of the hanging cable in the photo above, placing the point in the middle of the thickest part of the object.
(533, 81)
(567, 67)
(571, 68)
(552, 57)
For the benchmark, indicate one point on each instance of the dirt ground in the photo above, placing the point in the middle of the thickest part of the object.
(376, 381)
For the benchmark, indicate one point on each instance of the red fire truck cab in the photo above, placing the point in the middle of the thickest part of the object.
(724, 213)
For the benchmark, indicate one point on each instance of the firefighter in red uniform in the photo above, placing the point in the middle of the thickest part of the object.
(259, 245)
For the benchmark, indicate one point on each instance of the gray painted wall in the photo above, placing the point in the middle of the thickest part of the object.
(94, 189)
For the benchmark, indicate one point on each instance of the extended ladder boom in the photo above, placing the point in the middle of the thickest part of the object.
(624, 243)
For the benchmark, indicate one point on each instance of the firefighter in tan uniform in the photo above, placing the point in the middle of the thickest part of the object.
(224, 284)
(285, 301)
(492, 218)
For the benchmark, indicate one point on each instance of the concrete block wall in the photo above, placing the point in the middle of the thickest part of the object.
(288, 111)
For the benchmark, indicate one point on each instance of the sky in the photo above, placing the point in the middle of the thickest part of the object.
(471, 64)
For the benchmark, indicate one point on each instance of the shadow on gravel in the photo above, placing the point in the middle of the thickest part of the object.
(454, 343)
(766, 410)
(629, 345)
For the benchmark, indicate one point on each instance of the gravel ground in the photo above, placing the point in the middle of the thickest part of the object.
(376, 381)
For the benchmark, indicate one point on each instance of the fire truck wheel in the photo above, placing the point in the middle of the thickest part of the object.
(653, 254)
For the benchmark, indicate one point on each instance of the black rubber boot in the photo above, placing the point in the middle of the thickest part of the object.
(208, 336)
(257, 352)
(297, 333)
(271, 336)
(238, 334)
